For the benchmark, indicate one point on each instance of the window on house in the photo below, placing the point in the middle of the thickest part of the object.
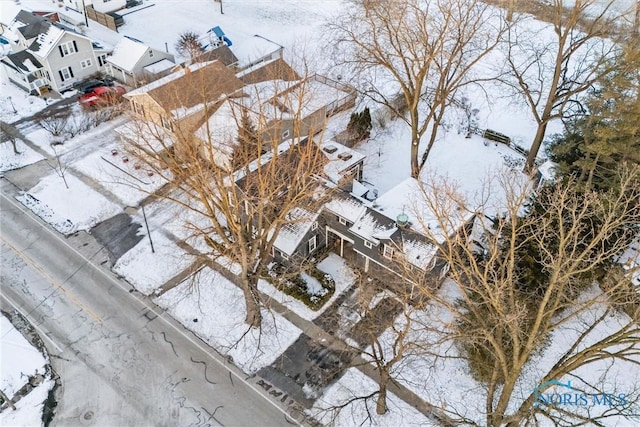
(85, 64)
(137, 108)
(367, 244)
(65, 73)
(150, 53)
(102, 59)
(388, 252)
(313, 243)
(284, 256)
(314, 226)
(342, 220)
(166, 123)
(68, 48)
(286, 134)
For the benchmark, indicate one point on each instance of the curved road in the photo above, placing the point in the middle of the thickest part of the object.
(121, 359)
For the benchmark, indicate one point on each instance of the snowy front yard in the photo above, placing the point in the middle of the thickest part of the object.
(147, 270)
(214, 308)
(68, 210)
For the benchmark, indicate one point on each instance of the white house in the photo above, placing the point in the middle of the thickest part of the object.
(48, 55)
(134, 63)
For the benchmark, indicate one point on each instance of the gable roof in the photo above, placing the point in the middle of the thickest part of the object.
(32, 24)
(277, 69)
(127, 54)
(221, 53)
(193, 86)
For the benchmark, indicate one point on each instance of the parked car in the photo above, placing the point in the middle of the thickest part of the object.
(102, 96)
(87, 86)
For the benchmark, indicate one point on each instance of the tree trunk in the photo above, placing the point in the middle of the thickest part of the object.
(415, 167)
(14, 145)
(252, 301)
(535, 147)
(437, 119)
(381, 404)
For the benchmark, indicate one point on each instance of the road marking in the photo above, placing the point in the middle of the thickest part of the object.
(41, 331)
(144, 304)
(57, 285)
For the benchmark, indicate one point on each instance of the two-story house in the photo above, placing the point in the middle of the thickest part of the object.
(181, 101)
(48, 55)
(278, 103)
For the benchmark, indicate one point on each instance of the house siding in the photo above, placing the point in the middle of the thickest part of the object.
(54, 62)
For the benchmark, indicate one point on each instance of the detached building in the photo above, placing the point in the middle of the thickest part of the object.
(135, 64)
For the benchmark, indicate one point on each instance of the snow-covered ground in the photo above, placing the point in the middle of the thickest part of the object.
(215, 302)
(362, 412)
(68, 210)
(119, 173)
(214, 308)
(9, 160)
(342, 274)
(147, 270)
(19, 360)
(29, 409)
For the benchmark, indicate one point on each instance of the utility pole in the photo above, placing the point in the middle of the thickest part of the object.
(84, 12)
(146, 224)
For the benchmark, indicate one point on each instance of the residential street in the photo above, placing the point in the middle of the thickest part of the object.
(121, 360)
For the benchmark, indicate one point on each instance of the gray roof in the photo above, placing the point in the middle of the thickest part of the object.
(18, 60)
(33, 24)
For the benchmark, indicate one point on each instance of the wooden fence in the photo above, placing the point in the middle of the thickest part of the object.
(101, 18)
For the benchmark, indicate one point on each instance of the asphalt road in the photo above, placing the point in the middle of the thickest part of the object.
(121, 359)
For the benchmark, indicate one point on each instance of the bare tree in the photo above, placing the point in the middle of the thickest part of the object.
(189, 45)
(414, 56)
(241, 205)
(550, 70)
(507, 313)
(55, 124)
(7, 134)
(57, 165)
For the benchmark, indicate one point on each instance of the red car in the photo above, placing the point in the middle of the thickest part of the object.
(101, 96)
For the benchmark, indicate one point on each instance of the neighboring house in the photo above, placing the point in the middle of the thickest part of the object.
(181, 101)
(103, 6)
(48, 55)
(256, 50)
(276, 103)
(134, 63)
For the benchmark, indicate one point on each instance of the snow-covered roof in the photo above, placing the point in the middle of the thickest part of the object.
(408, 197)
(254, 48)
(292, 233)
(127, 54)
(418, 252)
(220, 133)
(341, 159)
(160, 66)
(346, 207)
(374, 227)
